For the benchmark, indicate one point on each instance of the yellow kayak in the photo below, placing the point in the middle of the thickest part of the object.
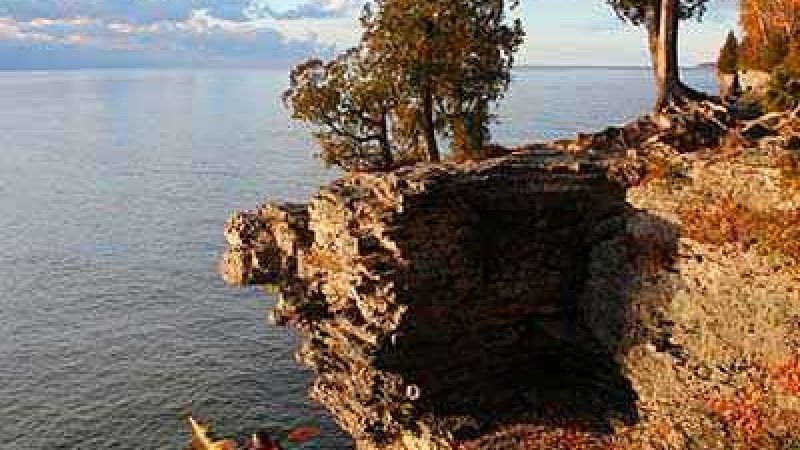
(202, 441)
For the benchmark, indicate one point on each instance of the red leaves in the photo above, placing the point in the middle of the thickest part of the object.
(743, 413)
(726, 222)
(758, 416)
(787, 376)
(729, 222)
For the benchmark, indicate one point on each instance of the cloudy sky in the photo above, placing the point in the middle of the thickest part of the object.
(47, 34)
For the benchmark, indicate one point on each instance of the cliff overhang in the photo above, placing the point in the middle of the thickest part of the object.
(444, 300)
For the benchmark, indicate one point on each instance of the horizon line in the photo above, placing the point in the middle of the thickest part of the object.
(281, 67)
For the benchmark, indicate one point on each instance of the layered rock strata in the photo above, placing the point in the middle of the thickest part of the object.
(448, 306)
(437, 302)
(263, 244)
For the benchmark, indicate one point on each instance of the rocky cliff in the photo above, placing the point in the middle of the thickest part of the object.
(535, 301)
(436, 302)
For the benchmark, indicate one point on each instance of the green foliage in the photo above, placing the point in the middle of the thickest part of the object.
(728, 60)
(349, 106)
(457, 52)
(422, 70)
(783, 90)
(643, 12)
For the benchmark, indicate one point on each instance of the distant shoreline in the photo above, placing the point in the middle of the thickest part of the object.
(555, 67)
(706, 66)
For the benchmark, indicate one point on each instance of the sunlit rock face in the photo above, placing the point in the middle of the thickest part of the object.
(438, 302)
(532, 302)
(262, 244)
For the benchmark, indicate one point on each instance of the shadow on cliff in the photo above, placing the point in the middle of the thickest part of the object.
(537, 333)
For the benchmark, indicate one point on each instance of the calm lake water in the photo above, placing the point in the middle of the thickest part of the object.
(114, 187)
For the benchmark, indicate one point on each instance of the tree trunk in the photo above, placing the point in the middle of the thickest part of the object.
(669, 86)
(653, 32)
(667, 69)
(469, 137)
(461, 148)
(652, 40)
(386, 146)
(476, 127)
(428, 124)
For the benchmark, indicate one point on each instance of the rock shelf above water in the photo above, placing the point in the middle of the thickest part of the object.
(433, 301)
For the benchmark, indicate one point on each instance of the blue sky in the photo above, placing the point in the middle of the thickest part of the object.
(115, 33)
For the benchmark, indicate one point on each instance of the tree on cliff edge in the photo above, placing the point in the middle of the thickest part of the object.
(453, 57)
(423, 70)
(349, 106)
(662, 19)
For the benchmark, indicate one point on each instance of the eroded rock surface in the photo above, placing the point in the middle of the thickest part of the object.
(441, 301)
(263, 244)
(552, 299)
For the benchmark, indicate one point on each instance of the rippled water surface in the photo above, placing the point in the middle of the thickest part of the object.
(114, 186)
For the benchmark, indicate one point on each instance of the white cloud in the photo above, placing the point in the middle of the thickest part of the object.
(560, 31)
(311, 9)
(200, 38)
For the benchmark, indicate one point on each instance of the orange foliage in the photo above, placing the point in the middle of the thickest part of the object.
(538, 437)
(787, 376)
(762, 18)
(657, 169)
(784, 234)
(743, 413)
(755, 418)
(578, 441)
(661, 168)
(757, 17)
(729, 222)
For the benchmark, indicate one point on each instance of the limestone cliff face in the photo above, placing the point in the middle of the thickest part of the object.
(532, 302)
(263, 245)
(706, 333)
(431, 299)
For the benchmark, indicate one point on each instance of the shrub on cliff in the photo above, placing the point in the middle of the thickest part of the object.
(453, 57)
